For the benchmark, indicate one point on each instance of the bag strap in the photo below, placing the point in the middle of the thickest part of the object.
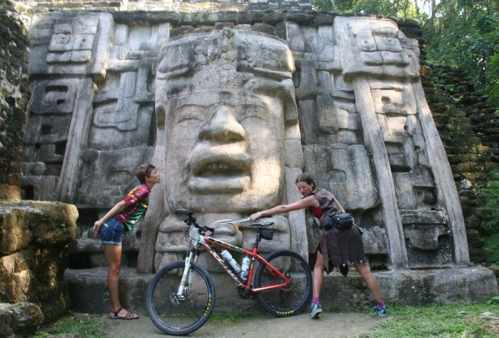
(338, 203)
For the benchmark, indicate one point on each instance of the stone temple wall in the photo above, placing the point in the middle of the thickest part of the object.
(162, 5)
(232, 102)
(372, 142)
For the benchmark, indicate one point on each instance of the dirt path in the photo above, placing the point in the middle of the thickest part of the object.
(330, 325)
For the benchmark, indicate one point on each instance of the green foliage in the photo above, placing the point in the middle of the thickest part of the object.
(88, 326)
(458, 33)
(489, 211)
(465, 36)
(394, 8)
(457, 320)
(493, 80)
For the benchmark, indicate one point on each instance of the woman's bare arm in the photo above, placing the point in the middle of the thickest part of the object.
(307, 202)
(116, 209)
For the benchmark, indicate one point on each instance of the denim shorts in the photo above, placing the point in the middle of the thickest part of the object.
(111, 232)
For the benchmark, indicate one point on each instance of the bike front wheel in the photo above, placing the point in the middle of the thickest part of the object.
(180, 314)
(289, 300)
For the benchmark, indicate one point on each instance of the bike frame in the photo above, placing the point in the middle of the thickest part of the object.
(209, 243)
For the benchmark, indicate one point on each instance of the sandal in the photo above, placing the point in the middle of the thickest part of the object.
(123, 314)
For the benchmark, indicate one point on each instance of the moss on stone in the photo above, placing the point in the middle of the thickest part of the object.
(14, 94)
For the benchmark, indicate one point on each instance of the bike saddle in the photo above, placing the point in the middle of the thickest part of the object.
(184, 212)
(261, 225)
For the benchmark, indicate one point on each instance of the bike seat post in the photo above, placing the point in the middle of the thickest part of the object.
(258, 239)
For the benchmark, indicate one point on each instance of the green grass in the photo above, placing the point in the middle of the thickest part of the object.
(81, 325)
(457, 320)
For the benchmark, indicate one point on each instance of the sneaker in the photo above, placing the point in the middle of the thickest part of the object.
(380, 311)
(315, 311)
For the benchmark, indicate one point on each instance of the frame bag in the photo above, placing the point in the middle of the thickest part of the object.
(341, 220)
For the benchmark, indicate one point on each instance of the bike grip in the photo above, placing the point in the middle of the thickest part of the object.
(212, 230)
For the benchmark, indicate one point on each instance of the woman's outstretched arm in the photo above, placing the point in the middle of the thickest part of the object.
(307, 202)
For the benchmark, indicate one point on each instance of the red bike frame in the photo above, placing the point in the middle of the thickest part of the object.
(210, 242)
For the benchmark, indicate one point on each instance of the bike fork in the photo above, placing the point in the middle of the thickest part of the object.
(185, 282)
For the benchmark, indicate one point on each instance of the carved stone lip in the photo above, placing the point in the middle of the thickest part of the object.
(218, 185)
(219, 169)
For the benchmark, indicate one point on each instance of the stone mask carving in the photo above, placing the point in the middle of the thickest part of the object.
(223, 98)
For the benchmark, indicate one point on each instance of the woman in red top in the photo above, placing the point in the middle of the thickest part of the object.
(122, 218)
(332, 248)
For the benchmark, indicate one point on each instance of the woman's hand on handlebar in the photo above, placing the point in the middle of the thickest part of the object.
(256, 216)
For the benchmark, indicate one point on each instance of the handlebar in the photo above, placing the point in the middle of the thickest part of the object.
(191, 220)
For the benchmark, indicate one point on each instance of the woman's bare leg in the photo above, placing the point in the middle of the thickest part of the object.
(113, 257)
(318, 275)
(371, 281)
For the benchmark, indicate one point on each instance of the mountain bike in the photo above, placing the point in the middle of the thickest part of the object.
(181, 296)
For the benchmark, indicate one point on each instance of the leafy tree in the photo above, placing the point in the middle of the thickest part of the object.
(459, 33)
(463, 34)
(493, 81)
(490, 216)
(393, 8)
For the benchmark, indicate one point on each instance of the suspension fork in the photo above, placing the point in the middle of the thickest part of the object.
(185, 282)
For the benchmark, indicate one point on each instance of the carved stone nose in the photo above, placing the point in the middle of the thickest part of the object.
(223, 127)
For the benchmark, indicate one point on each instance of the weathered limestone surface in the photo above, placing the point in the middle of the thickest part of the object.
(412, 287)
(14, 97)
(226, 133)
(34, 243)
(19, 319)
(232, 106)
(405, 287)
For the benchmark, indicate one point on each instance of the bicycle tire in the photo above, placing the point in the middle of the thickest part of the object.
(162, 302)
(284, 302)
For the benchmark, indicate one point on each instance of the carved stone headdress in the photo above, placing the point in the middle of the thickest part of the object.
(228, 59)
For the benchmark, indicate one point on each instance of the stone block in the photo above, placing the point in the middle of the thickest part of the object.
(353, 183)
(54, 222)
(308, 80)
(19, 319)
(327, 113)
(387, 43)
(405, 287)
(424, 216)
(411, 287)
(88, 291)
(347, 137)
(296, 218)
(15, 234)
(10, 192)
(46, 223)
(294, 153)
(317, 159)
(16, 279)
(35, 275)
(375, 240)
(308, 121)
(54, 96)
(295, 37)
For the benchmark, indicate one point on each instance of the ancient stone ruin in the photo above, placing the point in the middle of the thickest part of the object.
(233, 100)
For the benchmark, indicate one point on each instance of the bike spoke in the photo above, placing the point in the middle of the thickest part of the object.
(291, 298)
(176, 314)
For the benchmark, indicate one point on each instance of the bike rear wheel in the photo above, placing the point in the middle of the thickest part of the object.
(291, 299)
(180, 315)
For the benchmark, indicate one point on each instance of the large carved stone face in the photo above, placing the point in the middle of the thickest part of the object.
(221, 100)
(224, 151)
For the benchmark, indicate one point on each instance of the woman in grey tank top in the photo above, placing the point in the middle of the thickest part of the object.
(330, 248)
